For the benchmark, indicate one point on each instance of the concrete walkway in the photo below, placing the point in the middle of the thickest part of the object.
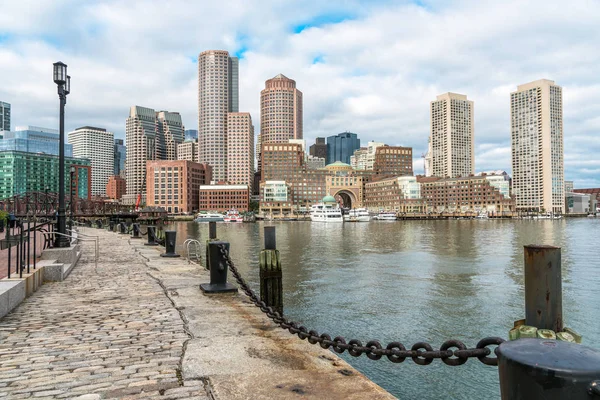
(140, 328)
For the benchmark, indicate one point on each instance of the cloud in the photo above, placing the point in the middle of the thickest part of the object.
(365, 67)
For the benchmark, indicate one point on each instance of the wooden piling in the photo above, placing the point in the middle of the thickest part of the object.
(271, 289)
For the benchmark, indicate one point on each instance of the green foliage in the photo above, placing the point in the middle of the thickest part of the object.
(253, 206)
(3, 215)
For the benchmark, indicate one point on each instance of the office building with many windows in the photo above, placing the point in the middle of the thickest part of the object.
(341, 147)
(24, 172)
(240, 149)
(536, 121)
(33, 139)
(120, 152)
(188, 150)
(452, 135)
(96, 145)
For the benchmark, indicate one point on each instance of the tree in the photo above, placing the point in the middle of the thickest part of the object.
(253, 206)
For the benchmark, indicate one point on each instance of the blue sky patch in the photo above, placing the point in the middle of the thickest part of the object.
(320, 20)
(320, 59)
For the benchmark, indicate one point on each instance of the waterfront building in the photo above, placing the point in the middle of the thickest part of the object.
(170, 128)
(594, 192)
(401, 194)
(4, 116)
(280, 110)
(341, 147)
(499, 179)
(364, 158)
(190, 134)
(24, 172)
(579, 203)
(149, 135)
(96, 145)
(474, 194)
(314, 162)
(276, 199)
(537, 147)
(174, 184)
(344, 185)
(188, 150)
(240, 149)
(120, 152)
(222, 198)
(33, 139)
(452, 135)
(319, 148)
(217, 96)
(116, 187)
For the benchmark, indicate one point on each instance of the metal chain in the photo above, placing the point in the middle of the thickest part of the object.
(451, 352)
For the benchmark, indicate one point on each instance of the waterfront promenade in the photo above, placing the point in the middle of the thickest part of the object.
(138, 327)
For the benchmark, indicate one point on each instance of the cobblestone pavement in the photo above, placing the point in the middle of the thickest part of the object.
(109, 333)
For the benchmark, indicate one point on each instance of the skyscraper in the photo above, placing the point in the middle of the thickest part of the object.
(341, 147)
(149, 135)
(240, 149)
(280, 110)
(537, 147)
(96, 145)
(452, 136)
(191, 134)
(319, 149)
(4, 116)
(33, 139)
(119, 158)
(169, 123)
(217, 95)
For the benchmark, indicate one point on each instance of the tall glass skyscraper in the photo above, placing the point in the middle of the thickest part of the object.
(341, 147)
(191, 134)
(119, 155)
(33, 139)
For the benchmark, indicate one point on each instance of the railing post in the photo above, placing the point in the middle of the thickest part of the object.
(271, 289)
(218, 270)
(212, 236)
(170, 242)
(543, 287)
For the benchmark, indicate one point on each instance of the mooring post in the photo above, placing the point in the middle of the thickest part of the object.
(218, 270)
(271, 289)
(170, 242)
(543, 287)
(136, 231)
(541, 368)
(122, 228)
(151, 237)
(212, 236)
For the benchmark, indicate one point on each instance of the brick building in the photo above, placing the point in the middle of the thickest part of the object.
(401, 194)
(393, 160)
(174, 184)
(222, 198)
(116, 187)
(464, 194)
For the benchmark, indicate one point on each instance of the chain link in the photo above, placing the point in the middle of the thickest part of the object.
(421, 353)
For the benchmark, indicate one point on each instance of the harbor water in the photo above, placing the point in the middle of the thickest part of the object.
(412, 281)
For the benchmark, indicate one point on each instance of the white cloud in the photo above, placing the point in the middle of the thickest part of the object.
(377, 69)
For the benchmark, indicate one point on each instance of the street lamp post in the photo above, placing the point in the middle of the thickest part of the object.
(63, 81)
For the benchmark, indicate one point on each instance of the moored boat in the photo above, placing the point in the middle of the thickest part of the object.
(386, 216)
(326, 211)
(357, 215)
(233, 216)
(208, 217)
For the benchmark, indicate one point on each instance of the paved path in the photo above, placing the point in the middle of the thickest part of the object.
(111, 333)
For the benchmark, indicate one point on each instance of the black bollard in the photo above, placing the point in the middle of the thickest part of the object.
(212, 236)
(151, 237)
(170, 241)
(98, 224)
(111, 225)
(271, 289)
(218, 270)
(122, 228)
(536, 369)
(136, 231)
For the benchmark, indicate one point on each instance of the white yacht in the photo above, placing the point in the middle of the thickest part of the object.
(326, 211)
(209, 217)
(386, 216)
(357, 215)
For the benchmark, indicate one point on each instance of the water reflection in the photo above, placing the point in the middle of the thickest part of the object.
(420, 280)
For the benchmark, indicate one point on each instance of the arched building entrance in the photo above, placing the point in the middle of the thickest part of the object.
(345, 199)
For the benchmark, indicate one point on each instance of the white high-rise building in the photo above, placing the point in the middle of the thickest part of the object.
(217, 96)
(452, 136)
(96, 145)
(240, 149)
(4, 116)
(188, 150)
(364, 158)
(537, 147)
(169, 123)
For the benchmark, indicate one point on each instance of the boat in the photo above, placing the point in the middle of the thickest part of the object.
(482, 216)
(326, 211)
(233, 216)
(357, 215)
(386, 216)
(208, 217)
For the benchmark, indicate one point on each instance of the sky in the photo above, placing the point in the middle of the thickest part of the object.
(369, 67)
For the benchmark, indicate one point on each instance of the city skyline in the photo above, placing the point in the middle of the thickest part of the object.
(328, 50)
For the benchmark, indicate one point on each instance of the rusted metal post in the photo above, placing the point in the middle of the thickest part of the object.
(271, 289)
(543, 287)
